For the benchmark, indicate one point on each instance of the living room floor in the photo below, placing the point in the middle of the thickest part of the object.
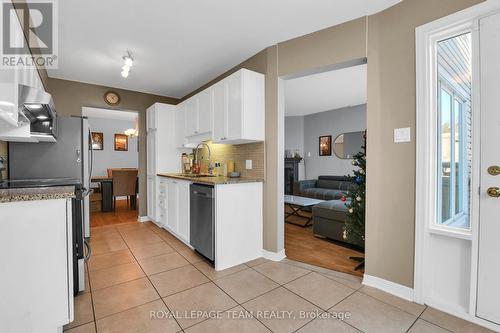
(301, 245)
(142, 279)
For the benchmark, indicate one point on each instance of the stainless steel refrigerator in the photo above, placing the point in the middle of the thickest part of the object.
(71, 156)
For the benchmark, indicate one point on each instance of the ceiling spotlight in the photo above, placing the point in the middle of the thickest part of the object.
(128, 62)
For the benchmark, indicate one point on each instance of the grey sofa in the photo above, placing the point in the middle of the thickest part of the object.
(329, 216)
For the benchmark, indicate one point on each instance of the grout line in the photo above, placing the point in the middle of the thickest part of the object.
(394, 306)
(156, 290)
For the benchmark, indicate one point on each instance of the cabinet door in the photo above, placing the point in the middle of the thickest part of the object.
(191, 116)
(151, 118)
(183, 210)
(161, 201)
(151, 197)
(172, 199)
(205, 111)
(151, 151)
(219, 112)
(235, 110)
(180, 118)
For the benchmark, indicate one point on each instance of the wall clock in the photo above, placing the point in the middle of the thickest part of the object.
(112, 98)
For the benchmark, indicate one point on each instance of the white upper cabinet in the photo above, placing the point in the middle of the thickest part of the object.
(205, 111)
(231, 111)
(11, 78)
(239, 108)
(191, 109)
(180, 120)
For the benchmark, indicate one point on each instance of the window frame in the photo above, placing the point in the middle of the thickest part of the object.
(455, 218)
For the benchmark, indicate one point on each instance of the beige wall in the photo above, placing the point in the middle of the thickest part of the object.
(322, 49)
(70, 96)
(390, 221)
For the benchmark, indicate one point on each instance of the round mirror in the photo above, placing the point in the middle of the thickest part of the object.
(346, 145)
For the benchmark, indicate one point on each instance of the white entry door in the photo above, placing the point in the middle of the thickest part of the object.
(488, 292)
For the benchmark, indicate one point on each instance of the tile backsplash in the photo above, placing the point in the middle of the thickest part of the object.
(239, 154)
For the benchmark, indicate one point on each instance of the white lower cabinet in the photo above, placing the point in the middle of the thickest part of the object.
(36, 284)
(177, 208)
(151, 193)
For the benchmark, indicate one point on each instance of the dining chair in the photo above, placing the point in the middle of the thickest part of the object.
(124, 184)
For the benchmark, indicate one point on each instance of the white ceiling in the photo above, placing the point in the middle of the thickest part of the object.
(326, 91)
(109, 114)
(179, 45)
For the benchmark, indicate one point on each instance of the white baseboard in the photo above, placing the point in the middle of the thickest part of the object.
(389, 287)
(274, 256)
(143, 219)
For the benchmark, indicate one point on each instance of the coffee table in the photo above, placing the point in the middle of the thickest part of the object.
(298, 204)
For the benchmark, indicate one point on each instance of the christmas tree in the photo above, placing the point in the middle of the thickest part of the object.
(355, 202)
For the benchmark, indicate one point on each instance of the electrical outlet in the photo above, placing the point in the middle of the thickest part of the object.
(308, 154)
(402, 135)
(248, 164)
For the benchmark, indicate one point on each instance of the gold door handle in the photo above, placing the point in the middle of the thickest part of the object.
(493, 192)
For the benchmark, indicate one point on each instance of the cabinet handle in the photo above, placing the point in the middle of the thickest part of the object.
(195, 132)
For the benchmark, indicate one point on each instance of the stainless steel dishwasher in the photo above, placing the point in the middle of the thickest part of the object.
(202, 220)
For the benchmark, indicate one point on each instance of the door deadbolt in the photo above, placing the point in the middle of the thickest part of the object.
(494, 170)
(493, 192)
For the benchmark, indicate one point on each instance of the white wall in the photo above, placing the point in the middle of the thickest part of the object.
(109, 158)
(294, 139)
(310, 127)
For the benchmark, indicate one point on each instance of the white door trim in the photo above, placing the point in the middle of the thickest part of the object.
(425, 202)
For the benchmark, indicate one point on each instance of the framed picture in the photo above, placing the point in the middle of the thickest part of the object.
(121, 142)
(97, 141)
(325, 145)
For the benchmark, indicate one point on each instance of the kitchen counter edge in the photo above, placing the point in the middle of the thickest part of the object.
(211, 180)
(37, 193)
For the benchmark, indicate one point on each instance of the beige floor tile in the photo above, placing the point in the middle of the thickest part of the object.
(422, 326)
(207, 297)
(212, 274)
(142, 240)
(165, 235)
(190, 255)
(256, 262)
(234, 320)
(451, 323)
(410, 307)
(87, 328)
(279, 272)
(319, 290)
(328, 325)
(94, 231)
(176, 280)
(246, 284)
(177, 244)
(284, 303)
(140, 319)
(117, 274)
(353, 282)
(109, 236)
(132, 226)
(162, 263)
(83, 311)
(106, 246)
(151, 250)
(110, 259)
(122, 296)
(371, 315)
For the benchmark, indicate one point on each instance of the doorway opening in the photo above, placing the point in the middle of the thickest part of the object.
(115, 165)
(324, 167)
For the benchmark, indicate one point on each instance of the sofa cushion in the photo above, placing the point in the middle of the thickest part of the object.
(332, 210)
(323, 193)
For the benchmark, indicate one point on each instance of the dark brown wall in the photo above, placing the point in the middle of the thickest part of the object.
(70, 96)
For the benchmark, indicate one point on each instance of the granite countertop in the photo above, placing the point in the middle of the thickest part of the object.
(37, 193)
(210, 180)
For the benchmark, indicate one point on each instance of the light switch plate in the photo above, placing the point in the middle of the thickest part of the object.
(248, 164)
(402, 135)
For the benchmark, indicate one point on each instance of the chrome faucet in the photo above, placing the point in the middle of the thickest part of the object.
(210, 166)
